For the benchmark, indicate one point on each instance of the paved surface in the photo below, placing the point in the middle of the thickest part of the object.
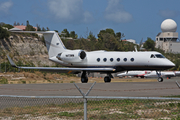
(130, 89)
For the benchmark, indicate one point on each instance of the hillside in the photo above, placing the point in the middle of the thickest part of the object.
(26, 49)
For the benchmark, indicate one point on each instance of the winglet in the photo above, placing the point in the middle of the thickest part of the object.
(11, 62)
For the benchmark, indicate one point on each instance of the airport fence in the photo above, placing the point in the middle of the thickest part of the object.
(88, 107)
(98, 107)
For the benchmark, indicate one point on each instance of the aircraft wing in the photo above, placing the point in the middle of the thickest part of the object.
(62, 69)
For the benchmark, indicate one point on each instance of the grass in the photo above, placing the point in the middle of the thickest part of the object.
(3, 81)
(101, 109)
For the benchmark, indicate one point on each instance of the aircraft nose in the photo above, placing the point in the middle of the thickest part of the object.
(171, 64)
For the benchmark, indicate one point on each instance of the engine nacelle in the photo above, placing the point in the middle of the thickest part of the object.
(72, 56)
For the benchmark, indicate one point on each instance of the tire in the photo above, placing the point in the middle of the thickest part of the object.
(160, 79)
(107, 79)
(84, 79)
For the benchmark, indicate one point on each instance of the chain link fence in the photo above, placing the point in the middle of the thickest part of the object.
(101, 108)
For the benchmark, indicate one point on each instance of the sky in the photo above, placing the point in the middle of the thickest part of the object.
(137, 19)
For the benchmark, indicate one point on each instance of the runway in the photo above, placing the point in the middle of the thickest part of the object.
(129, 89)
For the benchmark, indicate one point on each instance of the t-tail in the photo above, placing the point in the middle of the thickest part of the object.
(53, 42)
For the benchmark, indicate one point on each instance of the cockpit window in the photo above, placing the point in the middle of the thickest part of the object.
(152, 56)
(159, 56)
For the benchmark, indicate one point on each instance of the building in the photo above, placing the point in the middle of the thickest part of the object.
(167, 40)
(23, 27)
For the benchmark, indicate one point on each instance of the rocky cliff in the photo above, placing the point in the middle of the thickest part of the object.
(26, 48)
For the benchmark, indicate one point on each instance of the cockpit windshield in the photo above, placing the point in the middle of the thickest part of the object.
(157, 56)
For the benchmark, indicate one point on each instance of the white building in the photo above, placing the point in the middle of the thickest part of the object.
(167, 39)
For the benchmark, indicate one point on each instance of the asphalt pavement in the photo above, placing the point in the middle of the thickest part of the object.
(131, 89)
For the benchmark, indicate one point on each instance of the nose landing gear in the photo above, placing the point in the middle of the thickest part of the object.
(160, 79)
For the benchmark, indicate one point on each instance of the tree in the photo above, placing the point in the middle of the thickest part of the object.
(47, 29)
(43, 29)
(119, 35)
(110, 31)
(18, 24)
(73, 35)
(38, 27)
(29, 27)
(2, 24)
(66, 33)
(27, 23)
(100, 35)
(149, 44)
(3, 33)
(15, 23)
(8, 26)
(91, 36)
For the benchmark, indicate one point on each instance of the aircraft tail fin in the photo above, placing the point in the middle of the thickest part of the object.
(53, 42)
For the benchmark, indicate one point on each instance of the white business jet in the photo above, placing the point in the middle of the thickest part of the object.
(97, 61)
(134, 73)
(167, 74)
(148, 74)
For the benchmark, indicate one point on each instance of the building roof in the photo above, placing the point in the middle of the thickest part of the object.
(23, 27)
(15, 29)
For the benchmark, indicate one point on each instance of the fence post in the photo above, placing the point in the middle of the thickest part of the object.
(85, 108)
(85, 99)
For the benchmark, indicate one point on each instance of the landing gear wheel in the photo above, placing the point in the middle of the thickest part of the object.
(107, 79)
(160, 79)
(84, 79)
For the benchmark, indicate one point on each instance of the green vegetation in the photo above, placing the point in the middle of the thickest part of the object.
(3, 33)
(3, 81)
(111, 109)
(8, 26)
(149, 44)
(29, 27)
(107, 40)
(23, 82)
(66, 33)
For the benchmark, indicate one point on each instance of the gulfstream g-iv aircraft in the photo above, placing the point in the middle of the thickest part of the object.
(98, 61)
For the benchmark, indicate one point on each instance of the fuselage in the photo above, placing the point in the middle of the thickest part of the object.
(121, 61)
(134, 73)
(163, 74)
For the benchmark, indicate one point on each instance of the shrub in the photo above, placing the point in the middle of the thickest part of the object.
(3, 81)
(3, 33)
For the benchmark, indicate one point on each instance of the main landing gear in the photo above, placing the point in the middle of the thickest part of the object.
(108, 78)
(160, 79)
(84, 78)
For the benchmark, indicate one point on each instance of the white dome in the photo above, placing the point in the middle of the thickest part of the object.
(168, 25)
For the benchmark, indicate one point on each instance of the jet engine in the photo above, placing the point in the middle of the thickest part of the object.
(72, 56)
